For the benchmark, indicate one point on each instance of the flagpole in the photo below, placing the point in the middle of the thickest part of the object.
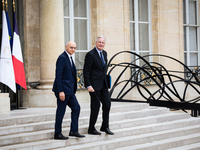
(5, 87)
(6, 5)
(3, 4)
(17, 90)
(13, 5)
(3, 10)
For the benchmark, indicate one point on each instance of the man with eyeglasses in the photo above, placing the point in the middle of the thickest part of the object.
(65, 86)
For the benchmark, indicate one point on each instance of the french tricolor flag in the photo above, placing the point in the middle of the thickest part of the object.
(18, 65)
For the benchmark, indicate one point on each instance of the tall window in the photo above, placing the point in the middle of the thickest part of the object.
(76, 27)
(191, 32)
(140, 27)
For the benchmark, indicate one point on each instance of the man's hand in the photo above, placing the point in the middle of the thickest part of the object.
(62, 96)
(90, 89)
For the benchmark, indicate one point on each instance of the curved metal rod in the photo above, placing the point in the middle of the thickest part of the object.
(164, 87)
(138, 66)
(132, 87)
(169, 77)
(146, 73)
(158, 78)
(153, 55)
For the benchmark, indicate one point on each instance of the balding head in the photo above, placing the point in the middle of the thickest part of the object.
(70, 47)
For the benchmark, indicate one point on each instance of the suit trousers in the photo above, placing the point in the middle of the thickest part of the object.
(72, 102)
(97, 97)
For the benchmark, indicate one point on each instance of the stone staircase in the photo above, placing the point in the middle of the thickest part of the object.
(136, 126)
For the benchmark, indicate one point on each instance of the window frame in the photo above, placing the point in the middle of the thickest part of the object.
(137, 22)
(187, 25)
(72, 18)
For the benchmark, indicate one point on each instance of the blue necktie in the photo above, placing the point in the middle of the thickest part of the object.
(101, 54)
(73, 66)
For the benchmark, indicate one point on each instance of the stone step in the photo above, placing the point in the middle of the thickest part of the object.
(83, 121)
(172, 120)
(48, 133)
(180, 143)
(195, 146)
(39, 145)
(138, 114)
(119, 132)
(162, 145)
(133, 124)
(123, 142)
(30, 127)
(14, 117)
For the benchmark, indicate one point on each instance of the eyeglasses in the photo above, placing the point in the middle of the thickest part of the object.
(72, 48)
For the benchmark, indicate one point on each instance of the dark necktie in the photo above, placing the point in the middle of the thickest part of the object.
(73, 66)
(101, 54)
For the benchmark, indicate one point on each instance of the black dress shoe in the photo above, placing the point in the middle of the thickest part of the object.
(60, 137)
(76, 134)
(107, 130)
(94, 132)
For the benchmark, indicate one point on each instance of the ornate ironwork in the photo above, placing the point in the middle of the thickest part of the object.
(165, 81)
(195, 70)
(142, 75)
(80, 80)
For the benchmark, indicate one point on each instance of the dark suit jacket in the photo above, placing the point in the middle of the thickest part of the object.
(93, 71)
(65, 80)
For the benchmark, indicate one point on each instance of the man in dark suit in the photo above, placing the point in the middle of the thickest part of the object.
(65, 86)
(94, 72)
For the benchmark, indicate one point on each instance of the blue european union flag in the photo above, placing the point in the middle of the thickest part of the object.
(9, 31)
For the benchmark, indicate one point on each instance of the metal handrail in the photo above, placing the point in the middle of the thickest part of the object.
(165, 80)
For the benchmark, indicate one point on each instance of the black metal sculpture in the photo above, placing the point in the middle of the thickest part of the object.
(166, 94)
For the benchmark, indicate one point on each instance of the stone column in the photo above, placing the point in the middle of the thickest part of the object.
(31, 41)
(51, 39)
(50, 45)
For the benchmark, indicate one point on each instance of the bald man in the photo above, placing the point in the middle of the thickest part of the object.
(64, 88)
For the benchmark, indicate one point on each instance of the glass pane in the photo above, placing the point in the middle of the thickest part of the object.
(131, 10)
(185, 58)
(146, 58)
(186, 70)
(79, 59)
(132, 36)
(133, 68)
(80, 8)
(184, 12)
(185, 42)
(80, 34)
(193, 38)
(192, 12)
(66, 30)
(66, 7)
(143, 37)
(133, 58)
(143, 10)
(193, 59)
